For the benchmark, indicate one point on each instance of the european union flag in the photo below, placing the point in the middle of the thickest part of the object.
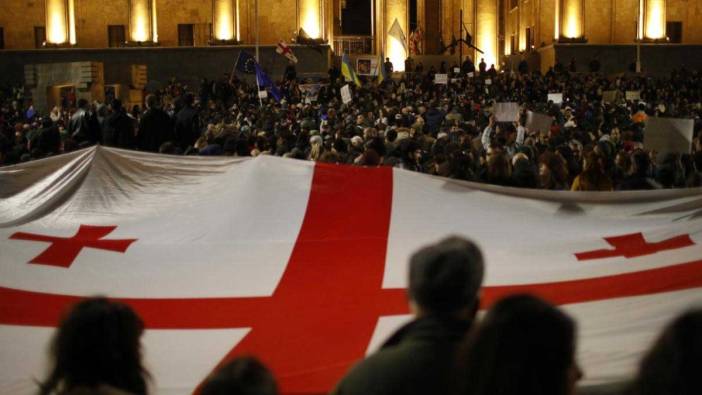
(245, 63)
(265, 82)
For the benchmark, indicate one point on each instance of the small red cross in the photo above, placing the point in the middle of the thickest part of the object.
(634, 245)
(64, 250)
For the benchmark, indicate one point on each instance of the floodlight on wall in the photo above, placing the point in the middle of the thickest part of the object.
(225, 21)
(142, 22)
(60, 23)
(570, 26)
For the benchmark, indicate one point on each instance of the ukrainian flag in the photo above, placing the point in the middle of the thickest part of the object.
(347, 70)
(382, 76)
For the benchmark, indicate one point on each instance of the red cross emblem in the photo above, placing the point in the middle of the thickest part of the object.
(321, 316)
(64, 250)
(634, 245)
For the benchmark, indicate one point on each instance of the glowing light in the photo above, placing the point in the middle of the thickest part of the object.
(56, 22)
(572, 26)
(487, 31)
(140, 20)
(655, 19)
(310, 17)
(396, 10)
(224, 12)
(72, 22)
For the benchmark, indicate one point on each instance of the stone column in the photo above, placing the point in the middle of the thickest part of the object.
(60, 22)
(224, 20)
(571, 20)
(142, 21)
(486, 32)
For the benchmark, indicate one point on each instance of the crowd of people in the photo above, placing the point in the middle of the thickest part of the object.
(413, 123)
(522, 346)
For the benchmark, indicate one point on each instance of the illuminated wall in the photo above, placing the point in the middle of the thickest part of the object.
(654, 19)
(572, 18)
(396, 9)
(224, 21)
(486, 32)
(142, 21)
(311, 17)
(60, 22)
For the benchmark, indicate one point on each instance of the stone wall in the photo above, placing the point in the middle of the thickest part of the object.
(187, 64)
(656, 59)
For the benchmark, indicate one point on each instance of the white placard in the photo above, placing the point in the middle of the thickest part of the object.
(456, 70)
(556, 98)
(506, 112)
(538, 122)
(488, 82)
(346, 94)
(633, 95)
(441, 79)
(668, 135)
(263, 94)
(471, 74)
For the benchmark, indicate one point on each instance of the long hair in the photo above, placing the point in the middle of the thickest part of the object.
(98, 343)
(672, 366)
(593, 177)
(524, 346)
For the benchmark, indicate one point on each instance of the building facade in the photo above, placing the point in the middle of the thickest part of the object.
(498, 27)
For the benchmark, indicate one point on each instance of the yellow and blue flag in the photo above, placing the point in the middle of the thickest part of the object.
(347, 70)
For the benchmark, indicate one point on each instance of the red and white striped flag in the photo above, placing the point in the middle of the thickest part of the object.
(304, 264)
(285, 50)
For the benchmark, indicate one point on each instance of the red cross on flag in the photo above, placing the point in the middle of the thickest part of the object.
(283, 49)
(304, 265)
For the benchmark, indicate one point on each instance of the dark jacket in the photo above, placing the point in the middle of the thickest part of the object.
(80, 127)
(155, 128)
(118, 130)
(417, 359)
(187, 127)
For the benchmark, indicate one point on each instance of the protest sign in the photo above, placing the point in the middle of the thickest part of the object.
(506, 112)
(556, 98)
(538, 122)
(668, 135)
(346, 94)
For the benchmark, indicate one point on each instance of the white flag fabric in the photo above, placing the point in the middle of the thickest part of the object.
(304, 265)
(396, 32)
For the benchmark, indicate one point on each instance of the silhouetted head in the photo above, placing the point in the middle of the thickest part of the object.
(97, 343)
(445, 278)
(524, 346)
(242, 376)
(672, 366)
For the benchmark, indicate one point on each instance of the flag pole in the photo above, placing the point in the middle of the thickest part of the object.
(231, 76)
(257, 36)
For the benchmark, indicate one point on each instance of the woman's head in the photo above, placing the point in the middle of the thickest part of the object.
(97, 343)
(524, 346)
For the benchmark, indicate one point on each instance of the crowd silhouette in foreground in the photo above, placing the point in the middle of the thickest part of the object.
(522, 346)
(412, 123)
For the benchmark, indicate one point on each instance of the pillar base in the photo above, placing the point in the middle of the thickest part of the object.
(664, 40)
(56, 46)
(215, 42)
(567, 40)
(141, 44)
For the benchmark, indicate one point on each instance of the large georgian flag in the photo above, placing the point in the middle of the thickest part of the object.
(304, 265)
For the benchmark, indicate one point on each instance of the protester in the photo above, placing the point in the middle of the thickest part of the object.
(523, 346)
(672, 365)
(97, 350)
(242, 376)
(444, 284)
(443, 124)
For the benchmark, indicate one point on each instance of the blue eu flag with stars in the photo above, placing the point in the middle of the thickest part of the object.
(246, 63)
